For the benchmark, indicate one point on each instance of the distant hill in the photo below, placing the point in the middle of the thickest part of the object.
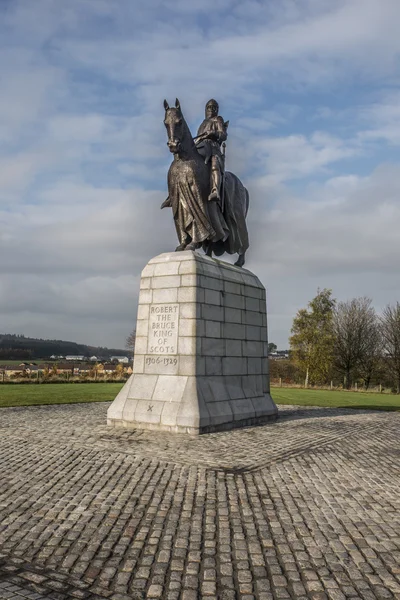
(15, 347)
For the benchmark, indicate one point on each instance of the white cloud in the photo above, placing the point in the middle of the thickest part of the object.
(83, 160)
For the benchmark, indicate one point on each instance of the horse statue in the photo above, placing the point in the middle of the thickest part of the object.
(216, 226)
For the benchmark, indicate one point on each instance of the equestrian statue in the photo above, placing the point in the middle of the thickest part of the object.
(209, 204)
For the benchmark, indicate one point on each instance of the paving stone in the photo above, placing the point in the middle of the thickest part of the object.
(304, 508)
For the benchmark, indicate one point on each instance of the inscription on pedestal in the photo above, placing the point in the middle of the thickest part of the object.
(163, 329)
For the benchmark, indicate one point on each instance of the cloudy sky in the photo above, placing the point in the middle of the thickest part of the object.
(311, 89)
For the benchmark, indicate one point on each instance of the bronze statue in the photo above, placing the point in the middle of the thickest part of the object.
(209, 205)
(211, 134)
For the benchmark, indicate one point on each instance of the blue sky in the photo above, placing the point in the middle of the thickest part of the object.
(311, 89)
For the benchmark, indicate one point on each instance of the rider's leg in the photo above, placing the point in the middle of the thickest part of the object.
(215, 179)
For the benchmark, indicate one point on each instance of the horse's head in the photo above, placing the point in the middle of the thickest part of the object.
(175, 125)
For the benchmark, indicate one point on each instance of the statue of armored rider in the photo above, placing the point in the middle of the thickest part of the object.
(211, 134)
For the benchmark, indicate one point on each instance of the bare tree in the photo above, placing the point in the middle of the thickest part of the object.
(356, 339)
(390, 328)
(370, 359)
(130, 341)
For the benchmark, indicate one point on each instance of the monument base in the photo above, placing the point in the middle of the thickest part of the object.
(201, 349)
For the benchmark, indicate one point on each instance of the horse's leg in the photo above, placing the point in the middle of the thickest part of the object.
(240, 261)
(193, 246)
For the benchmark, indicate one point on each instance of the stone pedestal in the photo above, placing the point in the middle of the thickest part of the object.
(201, 349)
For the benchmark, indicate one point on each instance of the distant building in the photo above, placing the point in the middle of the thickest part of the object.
(93, 358)
(279, 354)
(74, 357)
(120, 359)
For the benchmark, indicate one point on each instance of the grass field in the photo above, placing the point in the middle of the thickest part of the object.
(53, 393)
(335, 399)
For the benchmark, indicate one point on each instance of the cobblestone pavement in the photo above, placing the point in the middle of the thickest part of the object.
(307, 507)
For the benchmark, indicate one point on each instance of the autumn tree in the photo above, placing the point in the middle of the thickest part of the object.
(356, 336)
(311, 342)
(390, 328)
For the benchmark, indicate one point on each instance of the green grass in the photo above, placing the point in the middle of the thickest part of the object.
(53, 393)
(335, 399)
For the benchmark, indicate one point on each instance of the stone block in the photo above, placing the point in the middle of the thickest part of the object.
(220, 412)
(148, 271)
(212, 313)
(142, 386)
(190, 310)
(200, 358)
(233, 315)
(234, 331)
(212, 347)
(212, 283)
(188, 365)
(138, 363)
(191, 280)
(189, 294)
(212, 297)
(252, 304)
(148, 411)
(143, 311)
(253, 333)
(234, 301)
(212, 329)
(129, 410)
(142, 327)
(164, 295)
(166, 281)
(252, 348)
(145, 283)
(232, 287)
(169, 413)
(188, 268)
(233, 348)
(234, 365)
(145, 296)
(141, 345)
(187, 345)
(169, 388)
(168, 364)
(254, 366)
(166, 268)
(218, 388)
(187, 327)
(252, 318)
(213, 365)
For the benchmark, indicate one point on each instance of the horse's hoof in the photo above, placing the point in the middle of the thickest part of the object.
(180, 248)
(192, 246)
(240, 261)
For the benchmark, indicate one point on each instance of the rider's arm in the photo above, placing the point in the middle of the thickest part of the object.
(221, 130)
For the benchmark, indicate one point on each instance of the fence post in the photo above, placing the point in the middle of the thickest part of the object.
(355, 386)
(380, 388)
(280, 381)
(331, 385)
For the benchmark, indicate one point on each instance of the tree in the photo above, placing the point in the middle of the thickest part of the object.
(311, 342)
(390, 328)
(356, 339)
(272, 347)
(130, 341)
